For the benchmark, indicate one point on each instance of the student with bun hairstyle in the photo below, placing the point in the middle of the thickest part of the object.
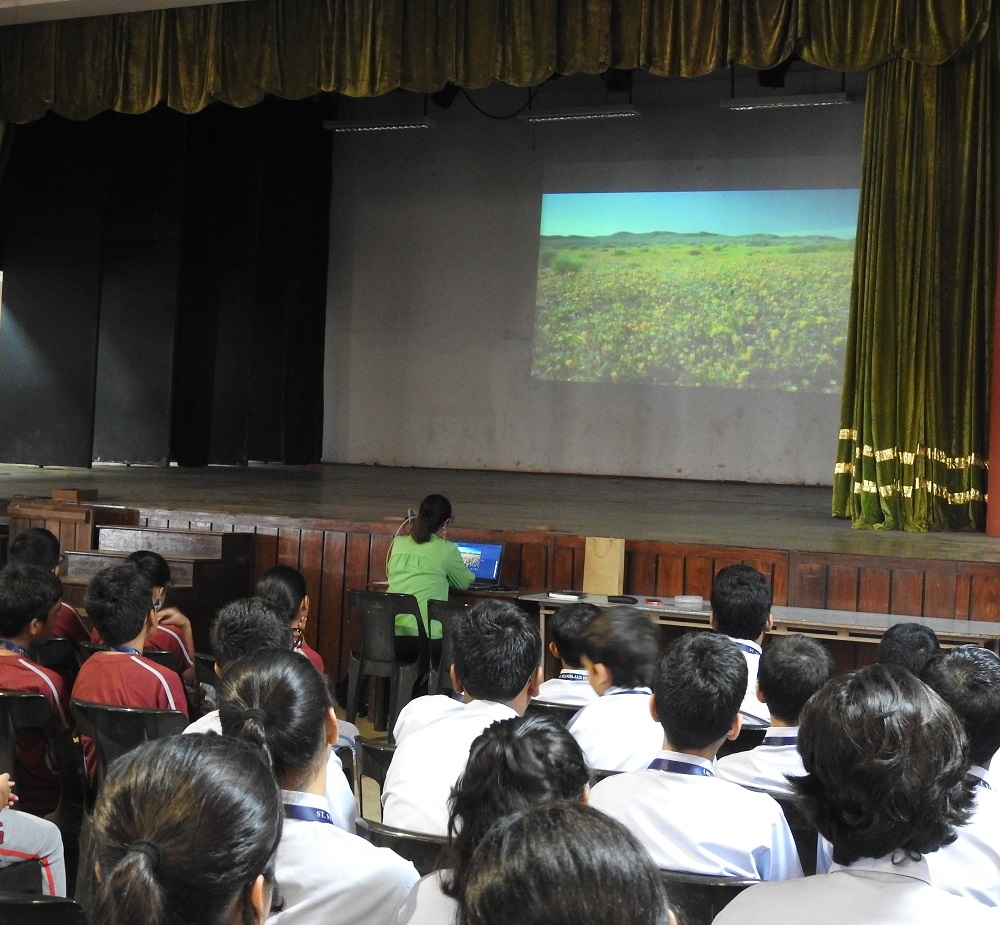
(562, 864)
(279, 703)
(285, 587)
(514, 764)
(185, 830)
(425, 564)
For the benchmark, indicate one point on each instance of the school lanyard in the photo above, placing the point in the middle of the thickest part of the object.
(679, 767)
(307, 813)
(13, 647)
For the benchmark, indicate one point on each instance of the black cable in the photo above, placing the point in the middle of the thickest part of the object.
(531, 95)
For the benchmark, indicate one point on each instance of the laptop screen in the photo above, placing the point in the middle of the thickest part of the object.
(482, 558)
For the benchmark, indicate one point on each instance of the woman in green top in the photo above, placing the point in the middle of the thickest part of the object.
(425, 565)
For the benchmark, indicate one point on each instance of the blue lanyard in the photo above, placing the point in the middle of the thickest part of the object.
(632, 690)
(572, 675)
(307, 813)
(13, 647)
(746, 647)
(780, 740)
(679, 767)
(980, 782)
(128, 650)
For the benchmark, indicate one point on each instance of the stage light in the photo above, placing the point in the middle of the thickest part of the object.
(379, 125)
(745, 103)
(579, 114)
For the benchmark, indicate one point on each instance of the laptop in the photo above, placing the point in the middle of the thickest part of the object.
(484, 559)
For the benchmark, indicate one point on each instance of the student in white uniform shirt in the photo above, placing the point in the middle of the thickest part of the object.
(792, 669)
(618, 649)
(572, 687)
(741, 610)
(497, 649)
(686, 817)
(246, 626)
(513, 764)
(886, 784)
(279, 702)
(423, 710)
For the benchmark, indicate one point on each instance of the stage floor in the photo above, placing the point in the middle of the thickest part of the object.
(789, 517)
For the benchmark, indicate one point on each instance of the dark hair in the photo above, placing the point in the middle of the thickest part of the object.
(34, 546)
(968, 680)
(278, 702)
(27, 593)
(886, 761)
(497, 648)
(907, 644)
(626, 641)
(118, 601)
(792, 668)
(285, 587)
(434, 511)
(566, 625)
(562, 864)
(152, 565)
(741, 601)
(513, 764)
(183, 826)
(701, 680)
(246, 625)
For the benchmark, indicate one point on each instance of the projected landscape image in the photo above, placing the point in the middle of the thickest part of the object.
(730, 289)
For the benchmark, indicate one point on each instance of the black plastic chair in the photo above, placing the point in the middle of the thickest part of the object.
(88, 648)
(117, 730)
(160, 656)
(22, 877)
(346, 755)
(33, 711)
(805, 835)
(445, 613)
(751, 735)
(598, 774)
(27, 909)
(561, 712)
(57, 653)
(377, 656)
(372, 759)
(423, 851)
(698, 898)
(204, 672)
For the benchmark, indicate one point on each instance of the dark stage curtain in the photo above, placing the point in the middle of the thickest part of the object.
(914, 421)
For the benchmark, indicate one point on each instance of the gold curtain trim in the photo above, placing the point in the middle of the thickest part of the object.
(974, 460)
(848, 434)
(867, 487)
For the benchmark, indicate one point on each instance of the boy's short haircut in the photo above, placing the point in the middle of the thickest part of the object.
(741, 601)
(626, 641)
(246, 626)
(497, 648)
(909, 645)
(566, 625)
(701, 680)
(118, 600)
(34, 546)
(27, 593)
(792, 668)
(967, 678)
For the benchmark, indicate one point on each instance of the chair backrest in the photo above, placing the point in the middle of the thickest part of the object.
(88, 648)
(117, 730)
(698, 898)
(28, 909)
(445, 613)
(599, 774)
(164, 658)
(204, 671)
(372, 759)
(56, 652)
(33, 711)
(805, 834)
(346, 755)
(751, 735)
(378, 611)
(22, 877)
(561, 712)
(423, 851)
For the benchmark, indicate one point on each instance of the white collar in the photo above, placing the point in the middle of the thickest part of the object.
(298, 798)
(667, 755)
(898, 864)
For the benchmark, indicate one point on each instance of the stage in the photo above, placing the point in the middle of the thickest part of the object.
(791, 517)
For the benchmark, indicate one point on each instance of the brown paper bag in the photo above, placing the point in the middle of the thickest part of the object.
(604, 565)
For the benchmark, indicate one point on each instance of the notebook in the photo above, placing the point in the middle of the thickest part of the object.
(484, 560)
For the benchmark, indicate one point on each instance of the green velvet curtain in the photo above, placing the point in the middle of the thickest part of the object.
(914, 420)
(237, 52)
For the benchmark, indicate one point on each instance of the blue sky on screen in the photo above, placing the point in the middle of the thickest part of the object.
(832, 212)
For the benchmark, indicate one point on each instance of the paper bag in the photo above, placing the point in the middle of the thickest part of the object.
(604, 565)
